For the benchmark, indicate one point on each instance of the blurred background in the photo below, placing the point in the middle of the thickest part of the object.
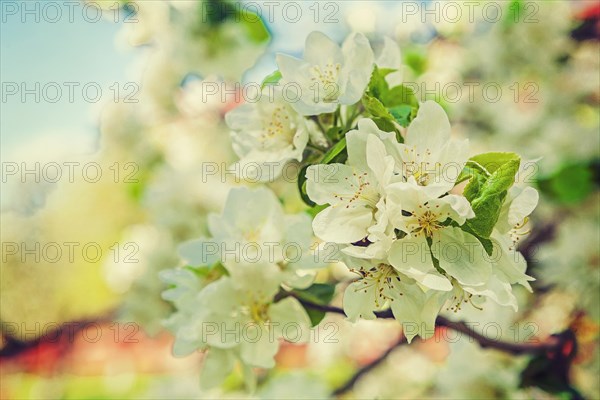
(104, 134)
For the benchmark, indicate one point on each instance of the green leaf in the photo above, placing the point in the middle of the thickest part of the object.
(402, 114)
(302, 187)
(255, 27)
(487, 244)
(375, 107)
(490, 176)
(334, 133)
(416, 60)
(337, 153)
(387, 105)
(571, 184)
(378, 86)
(313, 211)
(318, 293)
(493, 161)
(271, 79)
(400, 95)
(385, 125)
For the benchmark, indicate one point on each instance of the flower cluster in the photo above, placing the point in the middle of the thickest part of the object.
(226, 294)
(421, 224)
(413, 242)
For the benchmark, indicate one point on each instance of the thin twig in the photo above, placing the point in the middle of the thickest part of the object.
(553, 343)
(365, 369)
(462, 327)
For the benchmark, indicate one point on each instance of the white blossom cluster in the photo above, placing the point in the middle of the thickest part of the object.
(225, 297)
(423, 226)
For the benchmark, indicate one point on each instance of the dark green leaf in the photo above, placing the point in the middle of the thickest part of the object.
(334, 133)
(402, 114)
(385, 125)
(302, 187)
(337, 153)
(317, 293)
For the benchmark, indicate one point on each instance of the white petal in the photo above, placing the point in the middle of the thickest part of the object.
(430, 129)
(358, 57)
(417, 311)
(293, 323)
(326, 184)
(453, 206)
(509, 263)
(496, 289)
(412, 257)
(258, 346)
(389, 54)
(523, 205)
(356, 145)
(217, 365)
(319, 49)
(462, 256)
(379, 161)
(199, 252)
(339, 224)
(359, 302)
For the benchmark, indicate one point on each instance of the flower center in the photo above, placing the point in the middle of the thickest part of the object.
(381, 277)
(428, 223)
(363, 191)
(325, 79)
(277, 125)
(518, 232)
(460, 297)
(420, 169)
(259, 312)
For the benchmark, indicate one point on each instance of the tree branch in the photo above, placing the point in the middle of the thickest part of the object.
(553, 343)
(485, 342)
(365, 369)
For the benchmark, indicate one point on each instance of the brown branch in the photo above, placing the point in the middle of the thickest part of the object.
(553, 343)
(365, 369)
(462, 327)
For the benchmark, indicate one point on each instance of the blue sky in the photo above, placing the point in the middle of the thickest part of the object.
(79, 50)
(66, 51)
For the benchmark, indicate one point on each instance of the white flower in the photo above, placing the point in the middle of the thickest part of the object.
(266, 135)
(508, 265)
(253, 229)
(442, 257)
(328, 75)
(425, 218)
(381, 286)
(387, 55)
(248, 323)
(519, 203)
(355, 191)
(430, 156)
(235, 318)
